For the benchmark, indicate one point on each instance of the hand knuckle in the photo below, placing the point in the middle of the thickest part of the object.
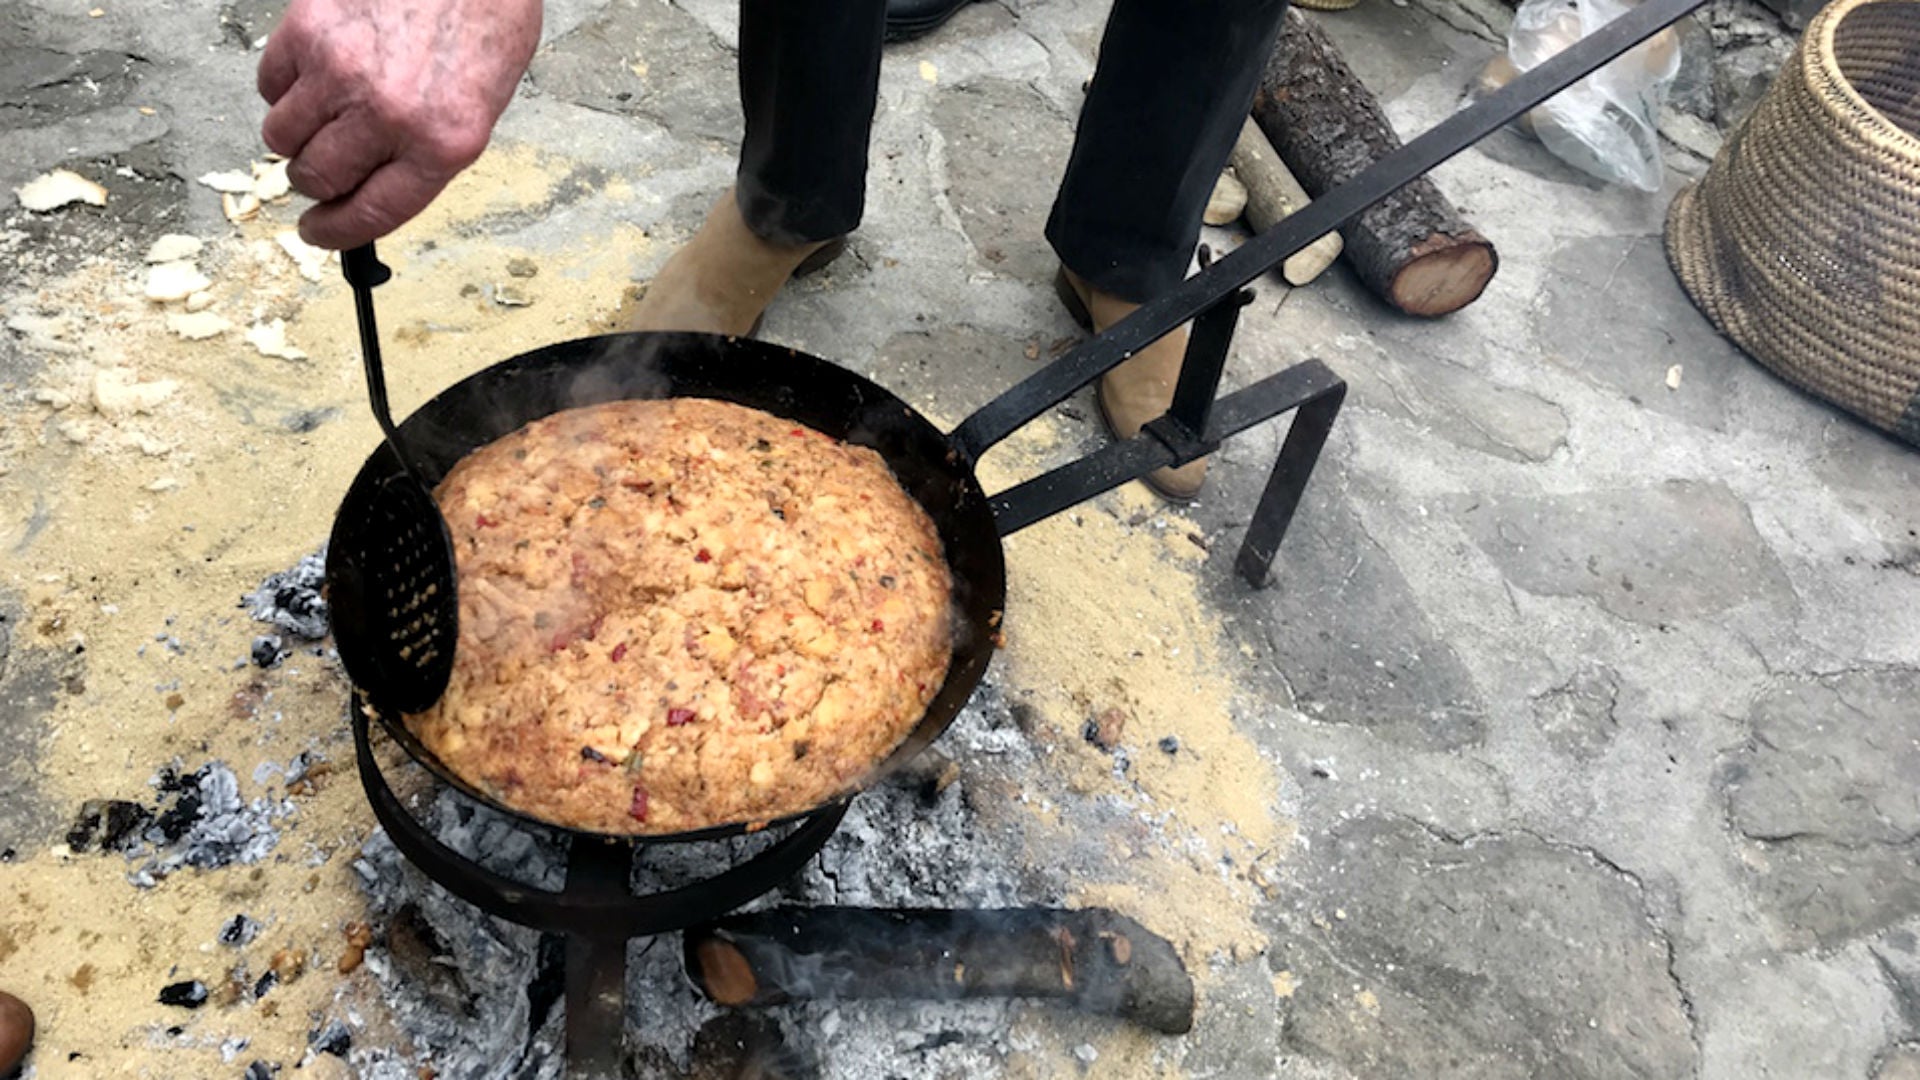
(455, 145)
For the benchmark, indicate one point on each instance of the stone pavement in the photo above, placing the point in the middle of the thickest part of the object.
(1596, 703)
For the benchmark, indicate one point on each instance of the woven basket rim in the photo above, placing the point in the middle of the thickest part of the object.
(1825, 78)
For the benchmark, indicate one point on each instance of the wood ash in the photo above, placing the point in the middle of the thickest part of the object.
(292, 600)
(481, 997)
(199, 820)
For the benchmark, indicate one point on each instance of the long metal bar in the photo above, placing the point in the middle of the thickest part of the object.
(1153, 320)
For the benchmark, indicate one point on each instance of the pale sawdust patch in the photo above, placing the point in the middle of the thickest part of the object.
(1101, 615)
(114, 564)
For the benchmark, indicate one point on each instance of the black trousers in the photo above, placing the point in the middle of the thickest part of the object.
(1172, 88)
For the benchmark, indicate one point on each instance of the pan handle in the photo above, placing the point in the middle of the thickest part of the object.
(1093, 358)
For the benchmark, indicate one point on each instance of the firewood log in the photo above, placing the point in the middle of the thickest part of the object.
(1090, 959)
(1413, 249)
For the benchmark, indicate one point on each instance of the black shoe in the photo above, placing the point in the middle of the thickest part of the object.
(908, 19)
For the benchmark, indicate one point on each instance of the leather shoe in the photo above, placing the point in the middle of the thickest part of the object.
(721, 280)
(908, 19)
(1139, 390)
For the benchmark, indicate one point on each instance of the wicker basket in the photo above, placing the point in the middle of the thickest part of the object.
(1802, 241)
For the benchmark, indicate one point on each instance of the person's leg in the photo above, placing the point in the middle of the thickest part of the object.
(1169, 96)
(809, 77)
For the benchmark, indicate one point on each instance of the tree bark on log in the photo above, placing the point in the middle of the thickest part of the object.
(1091, 959)
(1413, 249)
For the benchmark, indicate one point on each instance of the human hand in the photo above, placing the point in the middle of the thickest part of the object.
(380, 103)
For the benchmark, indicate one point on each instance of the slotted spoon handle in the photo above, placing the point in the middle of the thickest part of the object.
(364, 270)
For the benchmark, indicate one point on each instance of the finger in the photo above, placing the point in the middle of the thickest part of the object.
(339, 158)
(301, 112)
(388, 199)
(279, 69)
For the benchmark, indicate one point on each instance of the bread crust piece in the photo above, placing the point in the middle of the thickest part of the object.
(683, 613)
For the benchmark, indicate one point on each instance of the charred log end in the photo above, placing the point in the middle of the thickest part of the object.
(1141, 972)
(1443, 274)
(721, 971)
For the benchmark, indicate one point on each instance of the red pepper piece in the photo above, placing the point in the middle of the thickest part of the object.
(619, 652)
(482, 521)
(703, 556)
(877, 626)
(679, 717)
(638, 811)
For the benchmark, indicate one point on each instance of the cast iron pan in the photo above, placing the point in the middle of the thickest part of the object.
(509, 395)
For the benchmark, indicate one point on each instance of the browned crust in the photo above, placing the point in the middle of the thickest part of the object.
(683, 613)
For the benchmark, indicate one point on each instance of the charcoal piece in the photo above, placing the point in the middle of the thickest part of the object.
(333, 1039)
(1170, 744)
(267, 982)
(179, 819)
(112, 824)
(268, 650)
(209, 825)
(187, 994)
(261, 1070)
(239, 931)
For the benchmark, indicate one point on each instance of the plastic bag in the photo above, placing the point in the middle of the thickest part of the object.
(1603, 125)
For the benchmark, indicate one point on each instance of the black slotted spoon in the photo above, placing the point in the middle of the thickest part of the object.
(393, 595)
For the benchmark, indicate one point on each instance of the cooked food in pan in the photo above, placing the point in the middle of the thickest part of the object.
(683, 613)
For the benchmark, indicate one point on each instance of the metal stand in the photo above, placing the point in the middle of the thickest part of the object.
(596, 963)
(1195, 426)
(596, 912)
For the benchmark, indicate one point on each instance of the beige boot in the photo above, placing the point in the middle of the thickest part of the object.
(1140, 389)
(722, 280)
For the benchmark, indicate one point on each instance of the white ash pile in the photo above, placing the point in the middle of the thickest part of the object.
(292, 601)
(199, 820)
(476, 992)
(479, 996)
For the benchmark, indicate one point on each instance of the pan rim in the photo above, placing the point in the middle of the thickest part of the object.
(715, 364)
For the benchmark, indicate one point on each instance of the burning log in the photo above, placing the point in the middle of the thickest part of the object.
(1093, 959)
(1413, 249)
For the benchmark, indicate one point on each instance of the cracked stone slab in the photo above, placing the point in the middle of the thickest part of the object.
(1796, 1017)
(1899, 1063)
(1583, 320)
(649, 59)
(43, 85)
(1825, 794)
(1458, 404)
(1898, 953)
(1346, 631)
(1577, 717)
(1411, 954)
(1684, 550)
(1006, 151)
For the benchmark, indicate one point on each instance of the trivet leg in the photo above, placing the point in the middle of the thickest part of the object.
(1298, 455)
(596, 966)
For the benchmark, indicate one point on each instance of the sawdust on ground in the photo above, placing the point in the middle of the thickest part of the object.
(125, 532)
(1104, 612)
